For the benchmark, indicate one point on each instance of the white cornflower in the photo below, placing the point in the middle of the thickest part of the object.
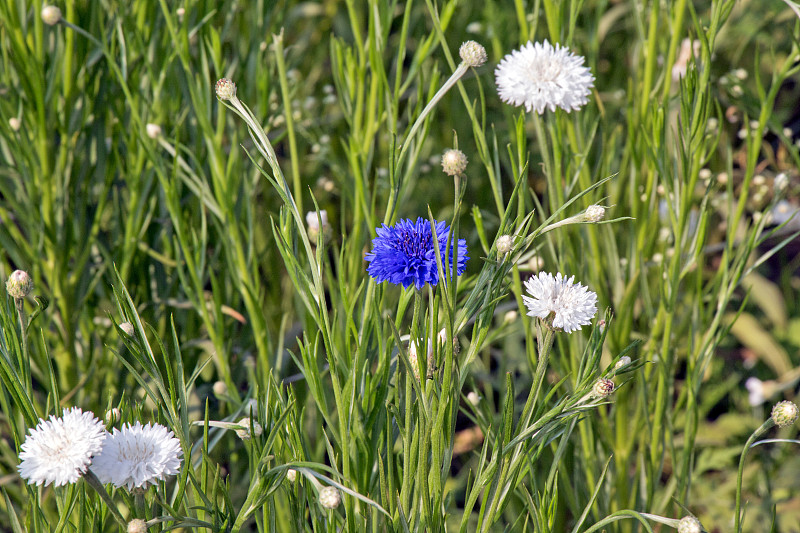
(572, 304)
(59, 450)
(472, 53)
(329, 497)
(540, 76)
(137, 456)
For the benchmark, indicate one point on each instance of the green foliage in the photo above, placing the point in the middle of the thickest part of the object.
(196, 234)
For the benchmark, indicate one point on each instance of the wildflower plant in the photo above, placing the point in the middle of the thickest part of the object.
(257, 370)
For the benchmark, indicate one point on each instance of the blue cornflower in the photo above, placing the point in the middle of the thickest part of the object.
(404, 254)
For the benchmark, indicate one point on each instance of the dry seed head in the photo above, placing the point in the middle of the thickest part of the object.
(225, 89)
(784, 413)
(472, 54)
(19, 284)
(454, 162)
(689, 524)
(51, 15)
(329, 497)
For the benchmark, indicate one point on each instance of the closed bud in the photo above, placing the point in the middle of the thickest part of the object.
(689, 524)
(51, 15)
(504, 244)
(594, 213)
(454, 162)
(153, 131)
(784, 413)
(244, 431)
(329, 497)
(19, 284)
(472, 54)
(225, 89)
(137, 525)
(622, 363)
(220, 388)
(127, 328)
(14, 123)
(112, 416)
(603, 388)
(291, 475)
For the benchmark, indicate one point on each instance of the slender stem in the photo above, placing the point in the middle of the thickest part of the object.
(19, 303)
(98, 487)
(738, 518)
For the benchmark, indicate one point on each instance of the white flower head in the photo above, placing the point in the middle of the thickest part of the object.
(138, 456)
(573, 304)
(784, 413)
(225, 89)
(153, 130)
(51, 15)
(454, 162)
(59, 450)
(504, 244)
(689, 524)
(539, 76)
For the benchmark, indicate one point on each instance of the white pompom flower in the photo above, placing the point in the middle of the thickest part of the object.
(539, 76)
(572, 304)
(59, 450)
(138, 456)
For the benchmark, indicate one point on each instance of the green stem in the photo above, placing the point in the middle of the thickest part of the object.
(738, 518)
(98, 487)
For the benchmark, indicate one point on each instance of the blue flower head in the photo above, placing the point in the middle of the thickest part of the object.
(404, 254)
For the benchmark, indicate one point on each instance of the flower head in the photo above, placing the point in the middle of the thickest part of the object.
(454, 162)
(51, 15)
(137, 456)
(404, 254)
(603, 388)
(784, 413)
(329, 497)
(573, 304)
(472, 53)
(539, 76)
(504, 244)
(137, 525)
(59, 450)
(19, 284)
(225, 89)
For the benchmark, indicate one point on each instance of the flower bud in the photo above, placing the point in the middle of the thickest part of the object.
(291, 475)
(112, 416)
(454, 162)
(473, 398)
(594, 213)
(127, 328)
(153, 130)
(19, 284)
(14, 123)
(603, 388)
(51, 15)
(689, 524)
(784, 413)
(317, 224)
(472, 54)
(137, 525)
(622, 363)
(504, 244)
(220, 388)
(329, 497)
(244, 432)
(225, 89)
(780, 183)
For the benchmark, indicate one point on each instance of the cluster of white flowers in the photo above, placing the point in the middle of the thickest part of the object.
(60, 450)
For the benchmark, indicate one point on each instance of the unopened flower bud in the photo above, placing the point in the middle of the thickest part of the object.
(510, 316)
(112, 416)
(622, 363)
(244, 432)
(127, 328)
(19, 284)
(329, 497)
(780, 183)
(689, 524)
(594, 213)
(153, 131)
(473, 398)
(225, 89)
(454, 162)
(137, 525)
(14, 123)
(603, 388)
(180, 12)
(291, 475)
(784, 413)
(51, 15)
(472, 54)
(504, 244)
(317, 223)
(220, 388)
